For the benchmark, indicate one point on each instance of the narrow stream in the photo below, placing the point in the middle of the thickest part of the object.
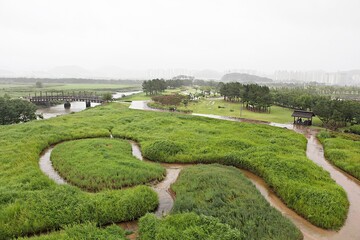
(166, 200)
(47, 167)
(58, 110)
(315, 152)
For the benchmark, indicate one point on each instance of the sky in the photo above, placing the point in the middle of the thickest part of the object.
(190, 34)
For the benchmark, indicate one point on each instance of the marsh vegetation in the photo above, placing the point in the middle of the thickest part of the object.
(31, 203)
(98, 164)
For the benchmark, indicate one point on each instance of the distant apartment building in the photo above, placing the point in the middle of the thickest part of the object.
(330, 78)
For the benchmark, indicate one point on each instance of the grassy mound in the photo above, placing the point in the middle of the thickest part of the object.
(343, 150)
(97, 164)
(84, 231)
(185, 226)
(224, 193)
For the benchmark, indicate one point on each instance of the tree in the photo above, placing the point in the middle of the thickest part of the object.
(107, 97)
(16, 111)
(38, 84)
(154, 87)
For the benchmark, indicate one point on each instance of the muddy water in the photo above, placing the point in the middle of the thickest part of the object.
(315, 152)
(58, 110)
(166, 200)
(47, 167)
(309, 231)
(121, 94)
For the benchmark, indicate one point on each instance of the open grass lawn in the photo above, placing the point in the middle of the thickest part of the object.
(223, 192)
(31, 203)
(343, 150)
(22, 90)
(98, 164)
(277, 114)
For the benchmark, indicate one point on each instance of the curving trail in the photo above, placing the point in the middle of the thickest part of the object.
(315, 152)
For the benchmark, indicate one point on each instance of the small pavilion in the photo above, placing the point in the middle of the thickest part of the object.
(303, 117)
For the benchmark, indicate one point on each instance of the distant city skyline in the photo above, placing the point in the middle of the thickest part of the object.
(351, 77)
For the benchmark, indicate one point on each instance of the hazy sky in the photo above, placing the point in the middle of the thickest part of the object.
(196, 34)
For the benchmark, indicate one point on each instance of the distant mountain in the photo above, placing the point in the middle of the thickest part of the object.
(244, 77)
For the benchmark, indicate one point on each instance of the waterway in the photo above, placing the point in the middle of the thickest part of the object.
(314, 152)
(58, 110)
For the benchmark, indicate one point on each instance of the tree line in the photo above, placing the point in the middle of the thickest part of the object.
(16, 111)
(157, 86)
(253, 96)
(334, 113)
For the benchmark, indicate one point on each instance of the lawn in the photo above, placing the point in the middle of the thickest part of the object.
(211, 106)
(98, 164)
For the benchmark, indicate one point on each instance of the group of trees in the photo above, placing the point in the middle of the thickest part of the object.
(295, 98)
(337, 113)
(16, 111)
(255, 97)
(154, 86)
(334, 113)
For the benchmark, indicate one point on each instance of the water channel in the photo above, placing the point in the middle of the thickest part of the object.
(314, 152)
(57, 110)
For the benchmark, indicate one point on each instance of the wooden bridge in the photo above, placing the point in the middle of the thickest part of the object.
(48, 97)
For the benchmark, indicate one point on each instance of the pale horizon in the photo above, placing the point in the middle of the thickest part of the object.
(261, 36)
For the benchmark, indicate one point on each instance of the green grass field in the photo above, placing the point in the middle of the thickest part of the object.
(188, 226)
(343, 150)
(223, 192)
(83, 231)
(277, 114)
(98, 164)
(31, 203)
(23, 90)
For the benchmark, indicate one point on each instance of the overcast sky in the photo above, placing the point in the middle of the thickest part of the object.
(262, 35)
